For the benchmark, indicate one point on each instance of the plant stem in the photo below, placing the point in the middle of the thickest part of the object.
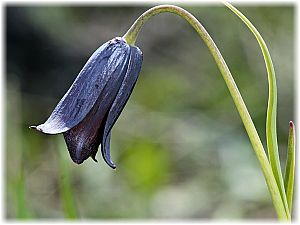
(271, 131)
(131, 36)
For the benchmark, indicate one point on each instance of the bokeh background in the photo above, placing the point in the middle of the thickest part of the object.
(180, 147)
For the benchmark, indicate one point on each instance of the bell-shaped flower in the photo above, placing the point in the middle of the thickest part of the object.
(87, 112)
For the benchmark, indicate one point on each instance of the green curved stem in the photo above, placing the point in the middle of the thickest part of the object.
(131, 36)
(271, 131)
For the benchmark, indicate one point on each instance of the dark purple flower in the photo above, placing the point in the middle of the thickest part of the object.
(87, 112)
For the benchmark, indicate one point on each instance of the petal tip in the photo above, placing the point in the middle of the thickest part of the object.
(95, 160)
(36, 128)
(113, 166)
(105, 150)
(110, 163)
(77, 161)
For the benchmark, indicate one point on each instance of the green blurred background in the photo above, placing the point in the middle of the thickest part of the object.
(180, 147)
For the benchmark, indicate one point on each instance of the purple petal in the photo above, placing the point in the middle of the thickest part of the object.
(134, 67)
(84, 139)
(106, 64)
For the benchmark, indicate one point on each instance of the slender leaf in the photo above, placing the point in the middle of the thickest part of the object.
(271, 110)
(290, 167)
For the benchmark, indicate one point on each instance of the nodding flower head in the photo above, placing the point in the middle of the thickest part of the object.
(87, 112)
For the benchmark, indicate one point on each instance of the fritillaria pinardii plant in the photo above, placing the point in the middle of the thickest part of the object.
(87, 112)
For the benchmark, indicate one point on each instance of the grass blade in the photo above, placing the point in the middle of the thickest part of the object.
(290, 167)
(271, 132)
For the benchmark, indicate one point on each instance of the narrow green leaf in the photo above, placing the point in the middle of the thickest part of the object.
(290, 167)
(271, 110)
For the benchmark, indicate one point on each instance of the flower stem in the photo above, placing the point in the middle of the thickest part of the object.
(131, 37)
(271, 131)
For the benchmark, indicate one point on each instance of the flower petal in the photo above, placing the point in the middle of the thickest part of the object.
(104, 65)
(134, 67)
(106, 152)
(84, 139)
